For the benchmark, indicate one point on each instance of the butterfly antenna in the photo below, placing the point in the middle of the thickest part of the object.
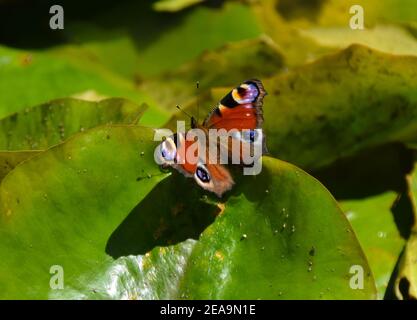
(183, 111)
(197, 84)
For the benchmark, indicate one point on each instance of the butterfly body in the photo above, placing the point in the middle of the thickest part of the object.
(236, 125)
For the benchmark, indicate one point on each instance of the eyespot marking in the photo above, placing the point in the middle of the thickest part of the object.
(203, 174)
(168, 149)
(245, 93)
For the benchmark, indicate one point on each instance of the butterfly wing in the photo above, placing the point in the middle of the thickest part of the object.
(241, 110)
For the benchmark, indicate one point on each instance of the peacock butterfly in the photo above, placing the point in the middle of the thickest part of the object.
(232, 131)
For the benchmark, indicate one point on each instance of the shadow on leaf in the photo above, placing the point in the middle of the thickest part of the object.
(176, 210)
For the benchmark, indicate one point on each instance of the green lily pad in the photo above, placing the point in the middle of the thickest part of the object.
(391, 39)
(405, 284)
(372, 198)
(277, 234)
(328, 29)
(31, 78)
(204, 28)
(38, 128)
(136, 41)
(297, 48)
(10, 159)
(48, 124)
(406, 280)
(371, 95)
(336, 13)
(60, 207)
(380, 239)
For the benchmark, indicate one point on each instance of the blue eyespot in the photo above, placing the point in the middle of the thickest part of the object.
(251, 92)
(202, 174)
(245, 93)
(168, 150)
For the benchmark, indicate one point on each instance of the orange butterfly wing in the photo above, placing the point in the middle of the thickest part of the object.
(240, 109)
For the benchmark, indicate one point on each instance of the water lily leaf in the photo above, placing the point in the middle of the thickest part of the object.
(127, 50)
(380, 239)
(111, 50)
(163, 218)
(406, 281)
(204, 28)
(296, 47)
(155, 275)
(336, 13)
(136, 41)
(356, 99)
(43, 126)
(10, 159)
(50, 123)
(113, 59)
(60, 207)
(412, 27)
(392, 39)
(405, 285)
(23, 74)
(309, 29)
(366, 192)
(270, 240)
